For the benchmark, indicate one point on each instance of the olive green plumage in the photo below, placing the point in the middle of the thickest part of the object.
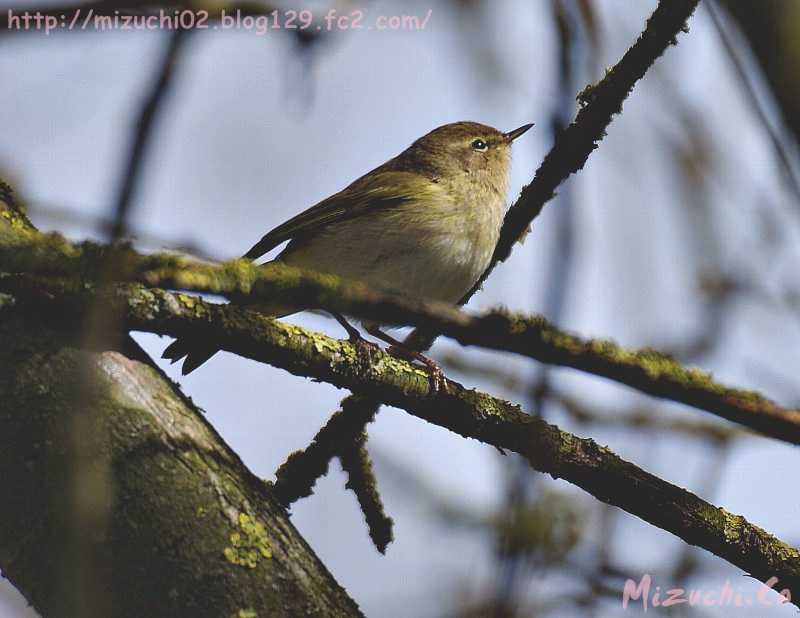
(423, 224)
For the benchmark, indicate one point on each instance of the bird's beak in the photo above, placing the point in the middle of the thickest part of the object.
(512, 135)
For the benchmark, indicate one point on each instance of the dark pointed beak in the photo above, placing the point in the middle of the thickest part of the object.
(512, 135)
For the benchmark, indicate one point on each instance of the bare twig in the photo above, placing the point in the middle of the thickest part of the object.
(143, 131)
(59, 216)
(647, 419)
(778, 146)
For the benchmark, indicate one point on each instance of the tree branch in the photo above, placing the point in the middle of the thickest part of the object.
(599, 104)
(186, 515)
(469, 413)
(296, 477)
(362, 482)
(645, 370)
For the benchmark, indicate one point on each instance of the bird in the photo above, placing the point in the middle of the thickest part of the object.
(424, 225)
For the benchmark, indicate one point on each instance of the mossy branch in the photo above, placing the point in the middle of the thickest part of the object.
(646, 370)
(171, 476)
(469, 413)
(296, 477)
(598, 106)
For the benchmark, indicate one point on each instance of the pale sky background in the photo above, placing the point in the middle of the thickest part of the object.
(249, 137)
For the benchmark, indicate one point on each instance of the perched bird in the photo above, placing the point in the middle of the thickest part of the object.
(424, 224)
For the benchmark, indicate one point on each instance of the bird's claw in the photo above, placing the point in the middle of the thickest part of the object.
(363, 346)
(436, 378)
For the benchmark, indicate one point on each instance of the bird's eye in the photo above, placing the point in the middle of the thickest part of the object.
(479, 145)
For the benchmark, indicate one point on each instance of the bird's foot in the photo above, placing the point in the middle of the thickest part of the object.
(436, 377)
(362, 346)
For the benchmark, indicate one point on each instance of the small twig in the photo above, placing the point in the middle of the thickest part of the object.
(599, 104)
(90, 469)
(297, 476)
(637, 418)
(647, 419)
(741, 72)
(142, 135)
(58, 215)
(362, 482)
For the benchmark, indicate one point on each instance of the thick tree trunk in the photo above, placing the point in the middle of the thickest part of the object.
(118, 499)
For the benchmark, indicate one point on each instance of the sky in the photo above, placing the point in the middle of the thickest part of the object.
(252, 135)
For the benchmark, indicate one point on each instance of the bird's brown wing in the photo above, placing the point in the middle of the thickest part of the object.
(384, 189)
(379, 189)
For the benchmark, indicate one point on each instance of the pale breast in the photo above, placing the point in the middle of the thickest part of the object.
(434, 251)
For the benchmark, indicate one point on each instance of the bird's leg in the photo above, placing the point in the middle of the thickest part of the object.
(361, 344)
(397, 348)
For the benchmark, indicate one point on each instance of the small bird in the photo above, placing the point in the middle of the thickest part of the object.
(424, 224)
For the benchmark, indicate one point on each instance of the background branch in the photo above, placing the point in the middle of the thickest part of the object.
(143, 129)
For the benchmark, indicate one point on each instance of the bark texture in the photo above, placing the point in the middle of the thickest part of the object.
(188, 530)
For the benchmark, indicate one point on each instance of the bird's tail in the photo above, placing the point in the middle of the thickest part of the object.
(196, 353)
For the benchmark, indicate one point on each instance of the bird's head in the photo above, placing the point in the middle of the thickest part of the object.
(464, 148)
